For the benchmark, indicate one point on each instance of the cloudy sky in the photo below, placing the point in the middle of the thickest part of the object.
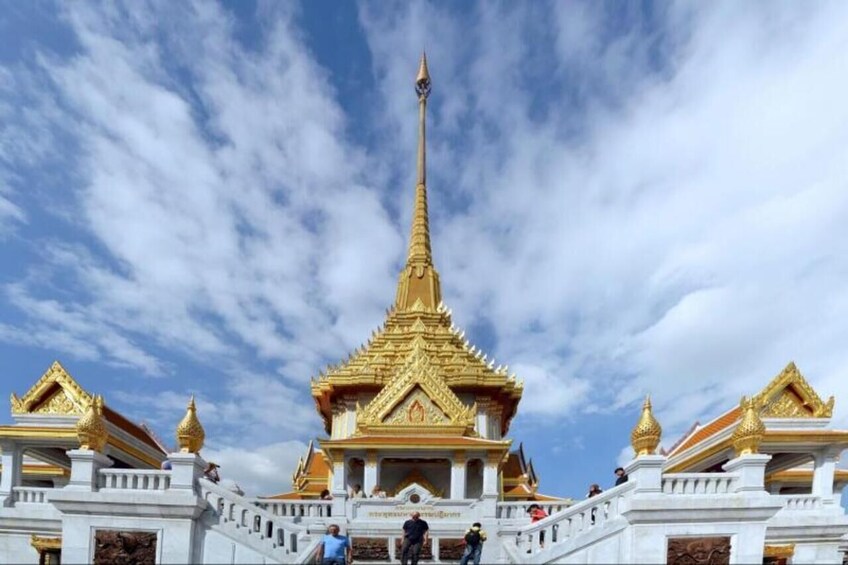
(214, 199)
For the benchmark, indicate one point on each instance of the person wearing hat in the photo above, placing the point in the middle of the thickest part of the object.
(211, 472)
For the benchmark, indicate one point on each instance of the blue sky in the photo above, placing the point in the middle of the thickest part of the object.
(215, 198)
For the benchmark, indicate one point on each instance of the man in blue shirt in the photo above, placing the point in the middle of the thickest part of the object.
(335, 548)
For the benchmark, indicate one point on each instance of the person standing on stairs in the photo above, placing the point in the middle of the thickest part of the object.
(416, 532)
(474, 538)
(335, 549)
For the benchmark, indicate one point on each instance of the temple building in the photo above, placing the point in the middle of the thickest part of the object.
(419, 418)
(417, 403)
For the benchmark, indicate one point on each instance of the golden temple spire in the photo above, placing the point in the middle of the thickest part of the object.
(190, 434)
(645, 437)
(419, 279)
(749, 432)
(91, 430)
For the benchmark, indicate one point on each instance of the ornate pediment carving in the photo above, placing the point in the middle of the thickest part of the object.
(789, 395)
(417, 401)
(56, 392)
(416, 408)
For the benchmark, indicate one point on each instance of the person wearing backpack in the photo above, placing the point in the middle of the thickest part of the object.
(474, 538)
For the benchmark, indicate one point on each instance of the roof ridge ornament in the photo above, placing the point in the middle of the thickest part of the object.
(190, 434)
(749, 432)
(91, 430)
(646, 435)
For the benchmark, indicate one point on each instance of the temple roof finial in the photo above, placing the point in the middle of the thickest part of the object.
(422, 81)
(419, 279)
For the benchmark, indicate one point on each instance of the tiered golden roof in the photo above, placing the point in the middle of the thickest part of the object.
(645, 437)
(749, 432)
(418, 331)
(190, 434)
(91, 429)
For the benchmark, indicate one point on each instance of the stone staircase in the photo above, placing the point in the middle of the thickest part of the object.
(576, 534)
(276, 538)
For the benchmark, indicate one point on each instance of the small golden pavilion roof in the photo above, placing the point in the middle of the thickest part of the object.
(419, 324)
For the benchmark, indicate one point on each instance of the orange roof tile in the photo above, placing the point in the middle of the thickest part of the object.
(722, 422)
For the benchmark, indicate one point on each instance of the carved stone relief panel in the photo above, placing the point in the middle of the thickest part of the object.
(699, 551)
(130, 548)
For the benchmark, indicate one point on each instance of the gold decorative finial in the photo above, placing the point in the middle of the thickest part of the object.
(190, 434)
(749, 432)
(91, 430)
(419, 279)
(422, 81)
(645, 437)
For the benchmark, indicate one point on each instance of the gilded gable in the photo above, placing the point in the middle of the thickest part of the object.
(416, 409)
(789, 395)
(417, 400)
(56, 392)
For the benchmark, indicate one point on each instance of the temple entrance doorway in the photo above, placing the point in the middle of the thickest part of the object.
(397, 473)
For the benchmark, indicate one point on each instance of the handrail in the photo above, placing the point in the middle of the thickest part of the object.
(800, 501)
(31, 495)
(134, 479)
(518, 509)
(698, 483)
(295, 508)
(590, 513)
(277, 533)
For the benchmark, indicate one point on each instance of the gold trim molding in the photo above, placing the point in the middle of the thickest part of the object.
(779, 551)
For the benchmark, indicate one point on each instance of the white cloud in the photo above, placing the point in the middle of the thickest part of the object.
(259, 472)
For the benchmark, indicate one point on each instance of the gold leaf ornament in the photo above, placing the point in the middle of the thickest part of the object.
(749, 433)
(190, 433)
(645, 437)
(91, 430)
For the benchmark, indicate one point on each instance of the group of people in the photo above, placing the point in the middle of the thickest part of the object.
(376, 492)
(336, 549)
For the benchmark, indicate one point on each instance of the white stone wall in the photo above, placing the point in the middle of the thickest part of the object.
(221, 549)
(15, 548)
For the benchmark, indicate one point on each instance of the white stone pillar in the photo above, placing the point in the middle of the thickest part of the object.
(186, 468)
(823, 474)
(371, 473)
(338, 485)
(12, 461)
(85, 464)
(646, 472)
(751, 470)
(490, 478)
(458, 475)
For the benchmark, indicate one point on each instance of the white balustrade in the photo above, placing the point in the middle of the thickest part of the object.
(518, 510)
(134, 479)
(31, 495)
(275, 534)
(698, 483)
(793, 502)
(296, 508)
(565, 525)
